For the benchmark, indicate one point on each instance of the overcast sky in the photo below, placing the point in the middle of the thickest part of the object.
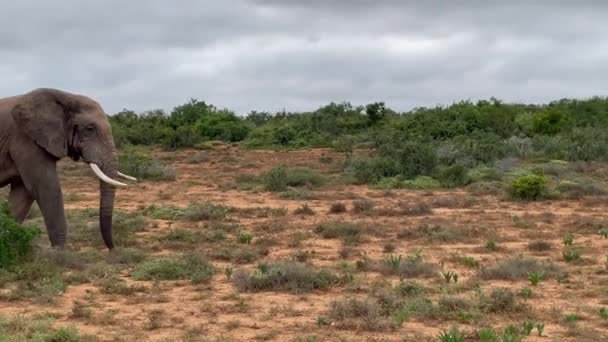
(299, 55)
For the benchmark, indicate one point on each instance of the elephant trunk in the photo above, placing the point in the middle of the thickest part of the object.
(106, 205)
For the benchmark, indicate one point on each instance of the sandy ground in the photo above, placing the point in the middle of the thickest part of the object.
(218, 311)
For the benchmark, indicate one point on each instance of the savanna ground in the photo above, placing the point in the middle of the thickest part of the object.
(214, 255)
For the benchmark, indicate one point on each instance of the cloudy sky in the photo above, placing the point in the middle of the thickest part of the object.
(273, 54)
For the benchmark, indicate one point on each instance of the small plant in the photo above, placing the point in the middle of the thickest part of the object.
(511, 334)
(491, 245)
(337, 208)
(451, 335)
(469, 262)
(393, 262)
(487, 335)
(539, 328)
(244, 238)
(571, 318)
(568, 239)
(525, 293)
(321, 321)
(571, 255)
(527, 327)
(603, 233)
(535, 277)
(305, 209)
(401, 316)
(363, 206)
(449, 275)
(603, 313)
(228, 272)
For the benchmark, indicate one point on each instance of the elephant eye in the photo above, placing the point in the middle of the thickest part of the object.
(90, 128)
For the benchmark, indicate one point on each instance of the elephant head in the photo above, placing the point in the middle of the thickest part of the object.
(72, 125)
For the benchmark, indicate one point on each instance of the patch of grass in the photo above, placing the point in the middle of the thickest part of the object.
(284, 276)
(451, 335)
(194, 212)
(37, 328)
(347, 232)
(439, 233)
(192, 267)
(116, 286)
(355, 314)
(501, 300)
(144, 167)
(40, 279)
(571, 254)
(468, 261)
(305, 209)
(517, 268)
(405, 267)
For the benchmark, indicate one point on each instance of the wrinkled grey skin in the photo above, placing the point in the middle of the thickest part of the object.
(36, 130)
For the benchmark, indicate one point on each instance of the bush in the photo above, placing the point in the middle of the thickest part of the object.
(280, 178)
(192, 267)
(15, 239)
(453, 176)
(528, 187)
(291, 276)
(144, 167)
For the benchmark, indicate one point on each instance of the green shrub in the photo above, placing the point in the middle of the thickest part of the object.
(192, 267)
(528, 187)
(15, 239)
(280, 178)
(453, 176)
(144, 167)
(291, 276)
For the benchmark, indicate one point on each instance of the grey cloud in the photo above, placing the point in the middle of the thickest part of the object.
(298, 55)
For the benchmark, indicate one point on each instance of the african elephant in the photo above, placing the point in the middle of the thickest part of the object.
(41, 127)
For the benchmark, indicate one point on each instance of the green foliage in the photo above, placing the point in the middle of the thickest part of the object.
(528, 187)
(451, 335)
(15, 239)
(291, 276)
(280, 178)
(192, 267)
(144, 167)
(36, 328)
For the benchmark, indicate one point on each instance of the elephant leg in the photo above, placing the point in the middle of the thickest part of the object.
(42, 182)
(50, 200)
(19, 201)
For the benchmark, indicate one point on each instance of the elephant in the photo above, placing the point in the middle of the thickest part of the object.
(39, 128)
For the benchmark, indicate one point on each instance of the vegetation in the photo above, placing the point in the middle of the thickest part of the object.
(15, 239)
(442, 146)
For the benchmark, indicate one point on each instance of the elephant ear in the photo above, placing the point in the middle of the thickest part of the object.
(43, 115)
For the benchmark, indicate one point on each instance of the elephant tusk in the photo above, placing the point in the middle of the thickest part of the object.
(103, 176)
(127, 176)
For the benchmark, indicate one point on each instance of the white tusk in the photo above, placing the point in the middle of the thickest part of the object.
(103, 176)
(126, 176)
